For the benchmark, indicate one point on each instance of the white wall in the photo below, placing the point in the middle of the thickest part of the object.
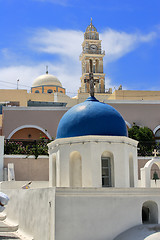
(20, 184)
(99, 213)
(1, 157)
(91, 149)
(78, 213)
(34, 211)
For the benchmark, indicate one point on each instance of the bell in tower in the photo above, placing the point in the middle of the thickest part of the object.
(92, 61)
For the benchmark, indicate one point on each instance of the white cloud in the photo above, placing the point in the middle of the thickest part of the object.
(68, 42)
(27, 74)
(117, 44)
(61, 42)
(10, 75)
(58, 2)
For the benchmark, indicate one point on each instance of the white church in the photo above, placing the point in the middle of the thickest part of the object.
(93, 191)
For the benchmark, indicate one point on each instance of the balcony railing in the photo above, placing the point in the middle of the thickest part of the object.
(26, 147)
(101, 52)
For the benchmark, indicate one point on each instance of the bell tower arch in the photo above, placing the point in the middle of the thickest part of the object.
(92, 56)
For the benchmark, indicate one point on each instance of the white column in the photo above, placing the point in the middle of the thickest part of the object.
(52, 170)
(1, 157)
(63, 167)
(145, 177)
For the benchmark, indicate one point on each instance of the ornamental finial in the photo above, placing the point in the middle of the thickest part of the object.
(91, 20)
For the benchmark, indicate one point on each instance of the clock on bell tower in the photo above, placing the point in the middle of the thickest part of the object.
(92, 58)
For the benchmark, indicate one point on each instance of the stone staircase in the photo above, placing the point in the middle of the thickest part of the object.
(8, 231)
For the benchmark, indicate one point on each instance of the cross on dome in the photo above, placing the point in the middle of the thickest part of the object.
(91, 81)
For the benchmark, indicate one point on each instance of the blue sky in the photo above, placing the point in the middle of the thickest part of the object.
(36, 33)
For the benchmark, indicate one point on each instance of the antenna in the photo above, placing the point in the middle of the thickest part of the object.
(17, 83)
(46, 69)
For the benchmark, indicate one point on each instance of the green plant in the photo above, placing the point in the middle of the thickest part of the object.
(145, 137)
(35, 148)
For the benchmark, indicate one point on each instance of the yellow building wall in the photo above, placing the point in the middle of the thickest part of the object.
(14, 95)
(21, 96)
(46, 88)
(135, 95)
(61, 90)
(37, 88)
(42, 97)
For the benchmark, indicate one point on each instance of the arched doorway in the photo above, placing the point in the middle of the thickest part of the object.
(149, 212)
(107, 169)
(29, 132)
(147, 171)
(75, 169)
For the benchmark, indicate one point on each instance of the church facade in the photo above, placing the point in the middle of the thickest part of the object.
(93, 167)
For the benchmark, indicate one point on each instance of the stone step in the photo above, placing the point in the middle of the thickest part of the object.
(5, 227)
(9, 236)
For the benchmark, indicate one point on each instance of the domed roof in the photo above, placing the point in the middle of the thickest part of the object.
(46, 79)
(91, 118)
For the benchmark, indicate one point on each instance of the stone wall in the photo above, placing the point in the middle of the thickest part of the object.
(29, 168)
(33, 210)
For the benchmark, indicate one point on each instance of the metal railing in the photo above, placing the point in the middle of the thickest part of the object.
(26, 147)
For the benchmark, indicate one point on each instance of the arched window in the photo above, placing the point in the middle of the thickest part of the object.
(90, 65)
(37, 91)
(150, 212)
(49, 91)
(97, 66)
(157, 135)
(107, 168)
(75, 169)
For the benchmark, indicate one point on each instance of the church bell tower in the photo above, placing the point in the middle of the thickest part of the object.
(92, 61)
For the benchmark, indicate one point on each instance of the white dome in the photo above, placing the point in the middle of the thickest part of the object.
(45, 80)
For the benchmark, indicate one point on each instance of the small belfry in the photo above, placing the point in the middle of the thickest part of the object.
(92, 61)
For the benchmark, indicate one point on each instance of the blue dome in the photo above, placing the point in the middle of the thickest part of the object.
(91, 118)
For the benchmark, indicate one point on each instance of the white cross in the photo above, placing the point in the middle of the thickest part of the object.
(155, 152)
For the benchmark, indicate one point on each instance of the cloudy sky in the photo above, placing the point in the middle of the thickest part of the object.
(36, 33)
